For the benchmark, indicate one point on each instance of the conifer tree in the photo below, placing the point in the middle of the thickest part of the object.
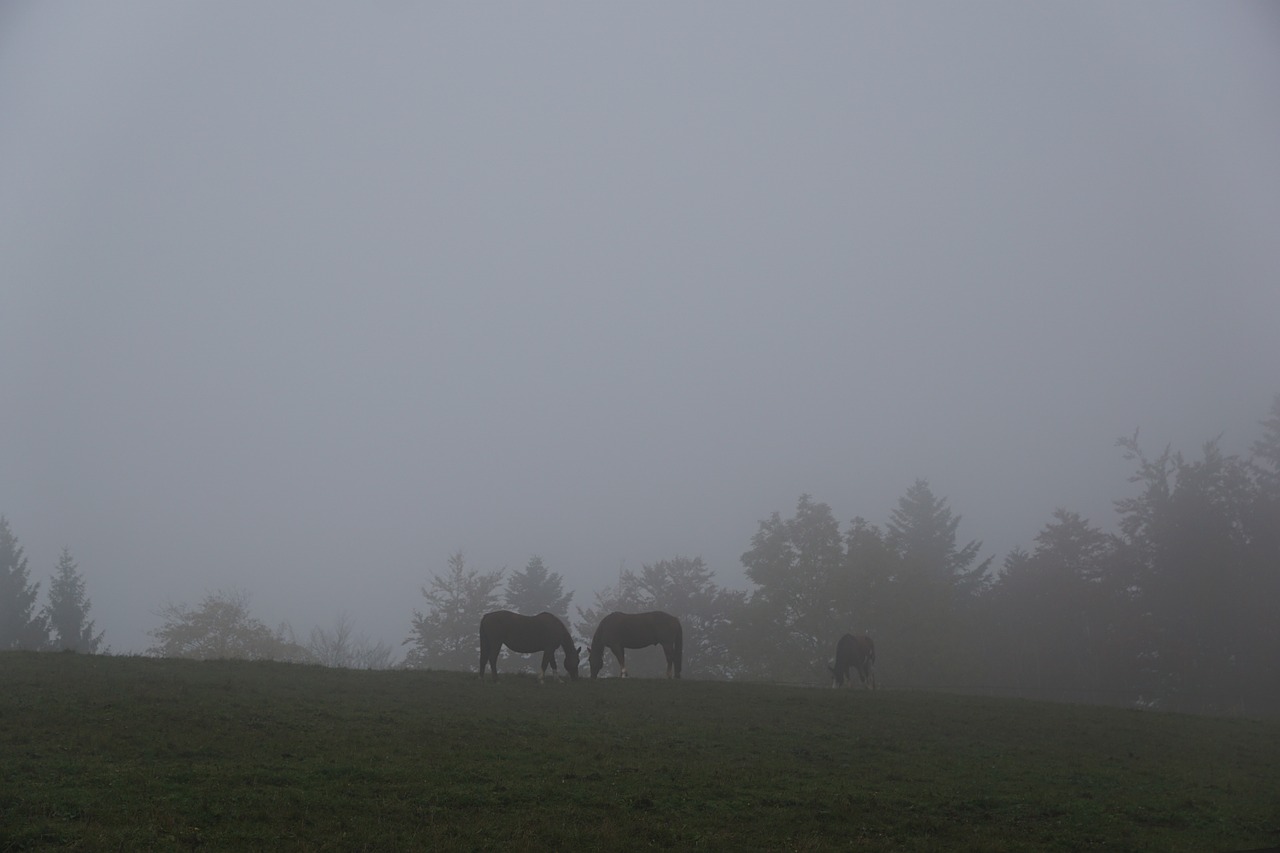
(536, 590)
(446, 635)
(21, 625)
(68, 610)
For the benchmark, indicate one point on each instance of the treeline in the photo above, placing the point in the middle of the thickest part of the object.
(1174, 610)
(62, 623)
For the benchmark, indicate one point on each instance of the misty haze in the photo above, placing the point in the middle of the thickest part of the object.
(952, 326)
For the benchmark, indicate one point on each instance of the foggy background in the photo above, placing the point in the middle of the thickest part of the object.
(302, 298)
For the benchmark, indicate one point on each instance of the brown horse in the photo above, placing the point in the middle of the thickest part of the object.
(620, 631)
(526, 634)
(857, 652)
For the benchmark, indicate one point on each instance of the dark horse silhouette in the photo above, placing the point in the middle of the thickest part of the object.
(857, 652)
(526, 634)
(620, 631)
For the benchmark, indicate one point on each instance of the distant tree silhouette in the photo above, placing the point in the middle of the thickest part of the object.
(222, 628)
(683, 587)
(68, 610)
(1209, 592)
(922, 530)
(1053, 609)
(21, 625)
(340, 646)
(803, 599)
(535, 590)
(624, 596)
(446, 635)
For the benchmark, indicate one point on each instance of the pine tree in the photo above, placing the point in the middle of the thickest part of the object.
(21, 626)
(922, 529)
(536, 590)
(934, 590)
(446, 635)
(68, 610)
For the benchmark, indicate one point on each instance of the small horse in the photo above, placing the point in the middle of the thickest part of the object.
(858, 652)
(526, 634)
(620, 631)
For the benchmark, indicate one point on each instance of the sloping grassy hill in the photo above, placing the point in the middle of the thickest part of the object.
(103, 753)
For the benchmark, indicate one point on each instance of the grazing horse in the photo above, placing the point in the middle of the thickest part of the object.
(858, 652)
(620, 631)
(526, 634)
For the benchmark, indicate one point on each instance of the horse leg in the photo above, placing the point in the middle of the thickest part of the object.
(484, 656)
(671, 660)
(548, 659)
(621, 654)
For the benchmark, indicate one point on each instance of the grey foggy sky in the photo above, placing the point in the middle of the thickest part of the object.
(302, 297)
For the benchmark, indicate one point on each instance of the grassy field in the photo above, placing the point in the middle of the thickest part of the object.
(108, 753)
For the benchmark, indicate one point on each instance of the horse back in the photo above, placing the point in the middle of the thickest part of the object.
(855, 651)
(637, 630)
(523, 634)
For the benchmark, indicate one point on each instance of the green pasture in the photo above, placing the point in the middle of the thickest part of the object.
(127, 753)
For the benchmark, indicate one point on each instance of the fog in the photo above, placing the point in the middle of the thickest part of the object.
(302, 298)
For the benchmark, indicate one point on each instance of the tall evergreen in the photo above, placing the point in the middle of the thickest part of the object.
(934, 591)
(446, 634)
(21, 625)
(922, 529)
(68, 610)
(536, 590)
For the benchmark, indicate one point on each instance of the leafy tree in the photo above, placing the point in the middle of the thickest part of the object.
(222, 628)
(685, 588)
(803, 599)
(68, 610)
(1054, 608)
(624, 596)
(446, 635)
(535, 590)
(1201, 575)
(874, 570)
(1266, 458)
(1262, 527)
(21, 626)
(340, 646)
